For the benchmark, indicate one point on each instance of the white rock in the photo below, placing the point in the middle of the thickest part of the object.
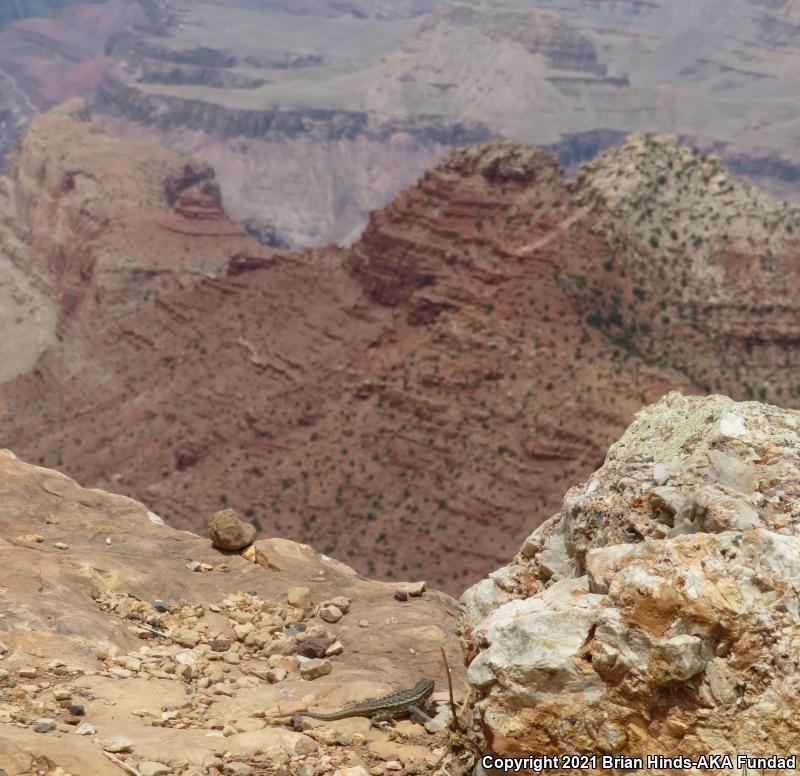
(118, 744)
(689, 540)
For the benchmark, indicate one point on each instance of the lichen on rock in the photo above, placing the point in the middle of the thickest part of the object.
(658, 611)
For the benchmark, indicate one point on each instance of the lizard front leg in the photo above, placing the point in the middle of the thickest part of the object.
(420, 714)
(385, 715)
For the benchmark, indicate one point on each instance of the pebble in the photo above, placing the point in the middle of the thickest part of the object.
(440, 722)
(296, 629)
(118, 745)
(219, 645)
(186, 637)
(313, 646)
(77, 710)
(413, 588)
(401, 595)
(85, 729)
(238, 769)
(152, 768)
(299, 597)
(314, 668)
(244, 630)
(334, 649)
(160, 606)
(341, 602)
(275, 675)
(61, 546)
(44, 725)
(331, 613)
(28, 672)
(131, 663)
(186, 658)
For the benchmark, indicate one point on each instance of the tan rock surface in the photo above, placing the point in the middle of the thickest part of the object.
(73, 617)
(672, 621)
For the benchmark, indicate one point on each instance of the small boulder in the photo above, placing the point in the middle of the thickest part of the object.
(228, 532)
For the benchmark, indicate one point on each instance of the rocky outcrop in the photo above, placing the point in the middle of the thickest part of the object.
(657, 612)
(128, 645)
(100, 223)
(693, 281)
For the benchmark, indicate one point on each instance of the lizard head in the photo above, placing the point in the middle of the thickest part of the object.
(424, 686)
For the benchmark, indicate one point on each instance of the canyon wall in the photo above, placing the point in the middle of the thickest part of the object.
(369, 120)
(478, 349)
(316, 113)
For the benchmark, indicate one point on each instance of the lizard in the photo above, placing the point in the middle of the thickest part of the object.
(397, 704)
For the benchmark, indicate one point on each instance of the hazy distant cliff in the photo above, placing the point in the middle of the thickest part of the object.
(252, 88)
